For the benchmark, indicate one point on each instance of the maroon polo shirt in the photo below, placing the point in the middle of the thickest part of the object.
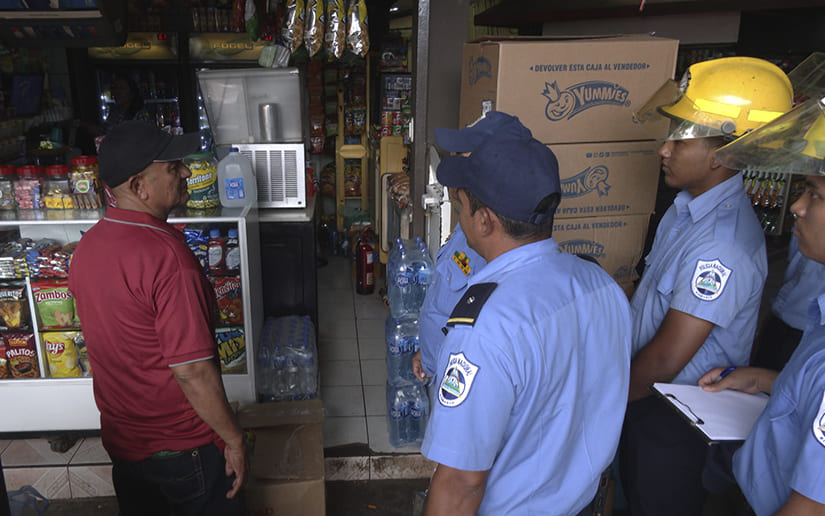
(145, 305)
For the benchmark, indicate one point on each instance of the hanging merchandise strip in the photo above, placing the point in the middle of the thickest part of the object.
(293, 31)
(358, 41)
(335, 37)
(314, 29)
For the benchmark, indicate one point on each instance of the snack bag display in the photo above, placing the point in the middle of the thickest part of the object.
(336, 36)
(61, 353)
(55, 303)
(358, 40)
(293, 31)
(14, 307)
(21, 353)
(314, 26)
(228, 295)
(231, 350)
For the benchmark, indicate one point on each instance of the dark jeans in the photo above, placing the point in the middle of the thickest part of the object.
(661, 461)
(191, 482)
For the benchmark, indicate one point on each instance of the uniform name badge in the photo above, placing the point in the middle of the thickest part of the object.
(709, 279)
(458, 378)
(819, 423)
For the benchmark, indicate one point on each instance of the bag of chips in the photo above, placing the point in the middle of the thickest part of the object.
(230, 302)
(61, 353)
(231, 350)
(21, 353)
(336, 35)
(293, 31)
(55, 303)
(358, 40)
(314, 26)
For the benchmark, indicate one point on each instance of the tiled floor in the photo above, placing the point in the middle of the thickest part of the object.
(353, 374)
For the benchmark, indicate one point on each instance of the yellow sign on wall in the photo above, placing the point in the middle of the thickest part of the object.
(140, 46)
(225, 47)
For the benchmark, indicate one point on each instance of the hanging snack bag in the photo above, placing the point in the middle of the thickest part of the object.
(4, 363)
(336, 35)
(14, 308)
(231, 350)
(293, 31)
(55, 303)
(314, 23)
(82, 355)
(21, 353)
(61, 353)
(228, 295)
(358, 40)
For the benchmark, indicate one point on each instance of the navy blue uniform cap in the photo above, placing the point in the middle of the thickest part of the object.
(510, 176)
(469, 138)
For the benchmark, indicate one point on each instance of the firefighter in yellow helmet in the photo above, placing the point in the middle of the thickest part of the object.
(779, 467)
(697, 303)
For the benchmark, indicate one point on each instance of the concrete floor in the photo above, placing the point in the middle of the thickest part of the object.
(363, 498)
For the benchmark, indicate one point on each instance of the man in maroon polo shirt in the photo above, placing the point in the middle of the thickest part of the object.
(146, 309)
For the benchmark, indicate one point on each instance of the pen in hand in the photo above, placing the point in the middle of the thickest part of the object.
(726, 372)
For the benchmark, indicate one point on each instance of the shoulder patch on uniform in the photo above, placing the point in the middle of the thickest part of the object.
(709, 279)
(463, 261)
(458, 378)
(469, 306)
(819, 422)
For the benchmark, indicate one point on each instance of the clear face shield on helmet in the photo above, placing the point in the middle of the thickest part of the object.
(689, 118)
(793, 143)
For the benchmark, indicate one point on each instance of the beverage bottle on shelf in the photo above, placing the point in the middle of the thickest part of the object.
(402, 343)
(305, 357)
(277, 382)
(216, 252)
(233, 252)
(398, 412)
(292, 374)
(419, 404)
(236, 181)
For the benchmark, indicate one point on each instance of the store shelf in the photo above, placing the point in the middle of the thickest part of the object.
(42, 396)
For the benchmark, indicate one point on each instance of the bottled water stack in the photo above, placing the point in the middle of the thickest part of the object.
(287, 363)
(402, 344)
(408, 408)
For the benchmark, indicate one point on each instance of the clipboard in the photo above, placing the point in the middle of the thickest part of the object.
(717, 416)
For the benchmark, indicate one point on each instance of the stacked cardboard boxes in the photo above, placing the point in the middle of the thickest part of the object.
(578, 96)
(286, 464)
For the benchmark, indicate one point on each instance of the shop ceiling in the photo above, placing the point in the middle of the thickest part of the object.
(531, 14)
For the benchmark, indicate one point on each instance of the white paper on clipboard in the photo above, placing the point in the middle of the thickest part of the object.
(725, 416)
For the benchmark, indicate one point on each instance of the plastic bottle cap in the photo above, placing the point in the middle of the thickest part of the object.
(199, 156)
(57, 170)
(233, 233)
(30, 170)
(214, 233)
(84, 160)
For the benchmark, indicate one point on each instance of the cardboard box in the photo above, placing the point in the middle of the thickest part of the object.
(288, 439)
(567, 89)
(597, 179)
(297, 498)
(616, 242)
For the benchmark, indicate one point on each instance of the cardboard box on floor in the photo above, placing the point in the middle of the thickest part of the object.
(616, 242)
(286, 464)
(568, 89)
(597, 179)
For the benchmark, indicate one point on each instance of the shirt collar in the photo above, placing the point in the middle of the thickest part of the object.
(700, 206)
(518, 257)
(139, 218)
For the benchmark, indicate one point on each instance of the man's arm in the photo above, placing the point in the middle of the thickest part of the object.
(455, 492)
(679, 338)
(201, 384)
(800, 505)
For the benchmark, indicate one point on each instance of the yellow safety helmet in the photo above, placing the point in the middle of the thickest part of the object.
(728, 97)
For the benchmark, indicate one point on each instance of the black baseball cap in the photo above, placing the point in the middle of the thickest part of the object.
(132, 146)
(469, 138)
(512, 176)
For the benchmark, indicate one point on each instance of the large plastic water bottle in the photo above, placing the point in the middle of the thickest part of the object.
(305, 357)
(399, 285)
(419, 404)
(278, 387)
(398, 411)
(236, 181)
(402, 343)
(421, 266)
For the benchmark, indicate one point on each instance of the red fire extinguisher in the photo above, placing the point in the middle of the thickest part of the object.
(365, 266)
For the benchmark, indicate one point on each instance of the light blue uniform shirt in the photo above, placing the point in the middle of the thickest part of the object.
(786, 447)
(804, 280)
(708, 260)
(542, 384)
(455, 264)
